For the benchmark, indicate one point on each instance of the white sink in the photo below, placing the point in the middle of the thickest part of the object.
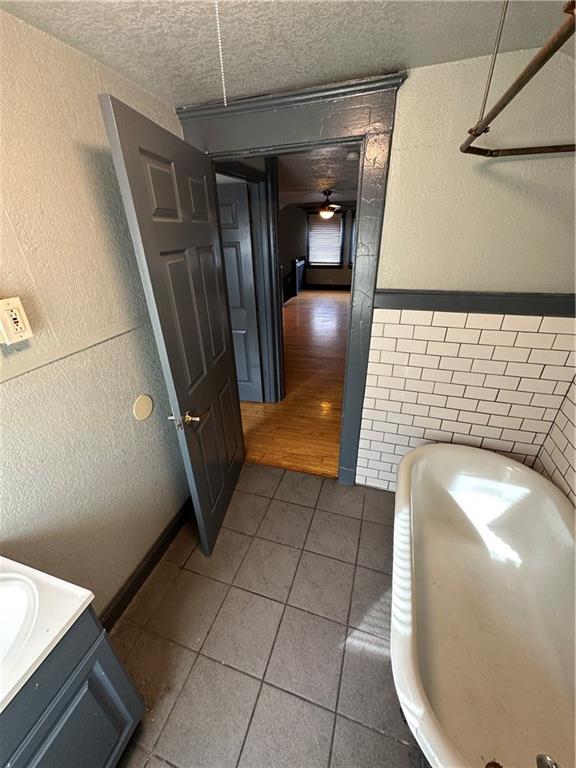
(18, 609)
(36, 611)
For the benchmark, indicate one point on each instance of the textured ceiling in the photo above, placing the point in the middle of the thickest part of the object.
(303, 176)
(170, 46)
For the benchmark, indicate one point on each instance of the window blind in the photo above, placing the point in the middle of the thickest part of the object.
(324, 240)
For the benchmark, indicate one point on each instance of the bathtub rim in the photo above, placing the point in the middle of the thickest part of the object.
(416, 707)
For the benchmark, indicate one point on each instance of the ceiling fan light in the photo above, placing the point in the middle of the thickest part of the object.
(326, 213)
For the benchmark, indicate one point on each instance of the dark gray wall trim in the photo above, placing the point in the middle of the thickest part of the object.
(552, 304)
(127, 591)
(291, 98)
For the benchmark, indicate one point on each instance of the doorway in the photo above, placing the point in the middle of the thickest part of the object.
(169, 193)
(316, 248)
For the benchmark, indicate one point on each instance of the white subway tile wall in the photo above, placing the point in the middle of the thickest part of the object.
(501, 382)
(557, 457)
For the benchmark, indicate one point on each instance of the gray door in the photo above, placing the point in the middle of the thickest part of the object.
(239, 263)
(169, 193)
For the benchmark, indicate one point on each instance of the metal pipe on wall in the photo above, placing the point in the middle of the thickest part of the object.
(562, 34)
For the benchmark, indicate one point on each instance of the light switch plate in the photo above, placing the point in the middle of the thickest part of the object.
(14, 325)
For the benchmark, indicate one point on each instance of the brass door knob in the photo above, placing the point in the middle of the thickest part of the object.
(190, 419)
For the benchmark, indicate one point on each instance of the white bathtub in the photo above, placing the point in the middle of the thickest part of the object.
(482, 638)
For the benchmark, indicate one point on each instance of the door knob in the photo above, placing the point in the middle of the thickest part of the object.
(190, 419)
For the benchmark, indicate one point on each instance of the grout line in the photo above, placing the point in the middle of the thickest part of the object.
(346, 634)
(318, 554)
(198, 652)
(271, 650)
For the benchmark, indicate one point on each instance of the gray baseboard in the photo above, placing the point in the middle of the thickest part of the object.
(127, 591)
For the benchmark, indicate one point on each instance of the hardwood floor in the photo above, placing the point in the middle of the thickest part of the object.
(303, 431)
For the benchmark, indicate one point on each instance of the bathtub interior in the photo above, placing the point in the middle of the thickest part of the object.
(493, 606)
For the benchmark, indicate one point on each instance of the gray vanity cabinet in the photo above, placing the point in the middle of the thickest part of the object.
(78, 710)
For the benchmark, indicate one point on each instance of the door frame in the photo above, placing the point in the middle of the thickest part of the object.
(359, 110)
(262, 202)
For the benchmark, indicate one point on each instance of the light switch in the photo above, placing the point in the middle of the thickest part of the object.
(14, 325)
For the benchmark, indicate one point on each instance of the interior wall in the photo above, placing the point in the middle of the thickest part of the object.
(293, 244)
(557, 456)
(292, 235)
(492, 381)
(86, 489)
(337, 276)
(459, 222)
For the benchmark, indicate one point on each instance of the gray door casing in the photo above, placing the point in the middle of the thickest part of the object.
(360, 110)
(169, 193)
(236, 231)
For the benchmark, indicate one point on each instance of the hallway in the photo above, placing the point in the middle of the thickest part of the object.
(303, 431)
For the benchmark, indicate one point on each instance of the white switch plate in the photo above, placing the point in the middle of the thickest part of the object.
(14, 325)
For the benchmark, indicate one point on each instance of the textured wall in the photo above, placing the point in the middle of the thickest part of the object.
(455, 221)
(292, 235)
(85, 488)
(486, 380)
(557, 457)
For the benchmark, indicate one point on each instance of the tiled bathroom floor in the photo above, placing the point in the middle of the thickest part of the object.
(274, 652)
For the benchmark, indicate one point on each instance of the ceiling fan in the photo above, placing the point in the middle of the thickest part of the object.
(328, 209)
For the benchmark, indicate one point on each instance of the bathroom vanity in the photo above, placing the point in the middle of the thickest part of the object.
(65, 698)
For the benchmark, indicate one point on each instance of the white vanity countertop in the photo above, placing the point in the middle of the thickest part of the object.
(36, 611)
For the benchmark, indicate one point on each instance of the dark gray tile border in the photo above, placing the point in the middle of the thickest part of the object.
(546, 304)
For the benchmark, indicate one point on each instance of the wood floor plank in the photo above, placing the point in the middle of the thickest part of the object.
(303, 431)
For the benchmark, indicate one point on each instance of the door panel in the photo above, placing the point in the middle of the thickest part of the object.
(169, 194)
(239, 263)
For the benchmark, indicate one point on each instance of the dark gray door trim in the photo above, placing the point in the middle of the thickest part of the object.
(330, 92)
(269, 329)
(276, 328)
(361, 110)
(239, 171)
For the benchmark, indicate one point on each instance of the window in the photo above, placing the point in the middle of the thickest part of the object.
(325, 240)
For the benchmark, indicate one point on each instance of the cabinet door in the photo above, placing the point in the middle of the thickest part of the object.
(90, 719)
